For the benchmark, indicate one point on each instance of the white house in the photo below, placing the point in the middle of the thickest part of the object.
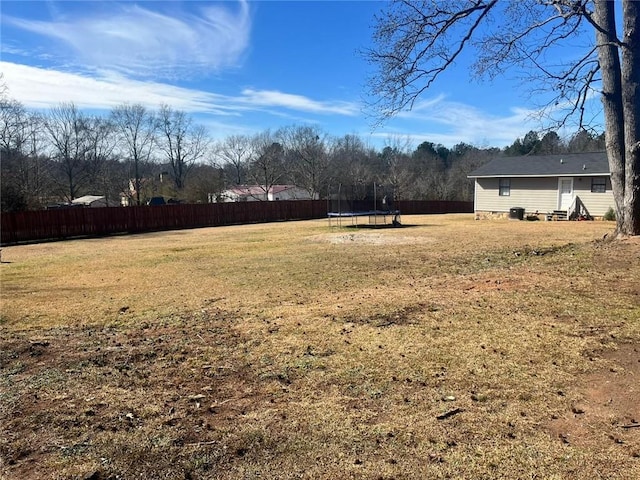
(252, 193)
(562, 186)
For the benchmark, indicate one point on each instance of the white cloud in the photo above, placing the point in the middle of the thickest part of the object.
(140, 42)
(271, 98)
(42, 88)
(449, 123)
(435, 120)
(7, 49)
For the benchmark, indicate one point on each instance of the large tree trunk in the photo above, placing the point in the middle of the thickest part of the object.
(609, 59)
(631, 103)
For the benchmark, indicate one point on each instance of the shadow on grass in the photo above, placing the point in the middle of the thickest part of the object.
(381, 226)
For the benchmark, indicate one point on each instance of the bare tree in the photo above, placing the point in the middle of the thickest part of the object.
(234, 152)
(308, 161)
(266, 167)
(67, 131)
(37, 179)
(398, 172)
(416, 41)
(352, 165)
(101, 143)
(25, 176)
(181, 142)
(13, 125)
(136, 128)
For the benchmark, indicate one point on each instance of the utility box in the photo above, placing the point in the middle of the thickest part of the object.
(516, 213)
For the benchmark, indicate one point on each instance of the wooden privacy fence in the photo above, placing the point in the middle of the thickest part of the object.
(59, 224)
(425, 207)
(81, 222)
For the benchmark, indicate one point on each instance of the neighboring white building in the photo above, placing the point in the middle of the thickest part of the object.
(253, 193)
(93, 201)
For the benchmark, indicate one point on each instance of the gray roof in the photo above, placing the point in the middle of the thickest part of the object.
(565, 165)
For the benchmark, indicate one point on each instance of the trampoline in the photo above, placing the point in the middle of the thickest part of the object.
(375, 217)
(373, 203)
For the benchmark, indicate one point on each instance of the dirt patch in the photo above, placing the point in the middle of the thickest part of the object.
(606, 406)
(369, 239)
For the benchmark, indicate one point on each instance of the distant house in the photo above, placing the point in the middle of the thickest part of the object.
(253, 193)
(557, 186)
(93, 201)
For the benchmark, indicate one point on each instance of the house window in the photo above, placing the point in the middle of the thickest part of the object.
(598, 184)
(504, 187)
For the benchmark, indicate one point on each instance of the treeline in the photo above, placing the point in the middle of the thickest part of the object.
(134, 153)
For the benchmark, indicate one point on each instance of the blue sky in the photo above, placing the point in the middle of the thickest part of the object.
(240, 68)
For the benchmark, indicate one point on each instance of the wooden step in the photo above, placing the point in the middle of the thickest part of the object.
(560, 214)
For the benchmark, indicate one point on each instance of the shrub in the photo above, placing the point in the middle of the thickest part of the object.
(610, 215)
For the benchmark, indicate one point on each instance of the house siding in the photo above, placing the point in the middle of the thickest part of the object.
(596, 204)
(292, 193)
(532, 194)
(538, 194)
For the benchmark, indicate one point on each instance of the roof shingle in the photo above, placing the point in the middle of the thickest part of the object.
(568, 164)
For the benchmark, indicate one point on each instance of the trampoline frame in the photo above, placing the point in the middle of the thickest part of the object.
(375, 215)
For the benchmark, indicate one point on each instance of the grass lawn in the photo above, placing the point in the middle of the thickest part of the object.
(448, 348)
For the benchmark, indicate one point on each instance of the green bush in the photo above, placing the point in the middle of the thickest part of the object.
(610, 215)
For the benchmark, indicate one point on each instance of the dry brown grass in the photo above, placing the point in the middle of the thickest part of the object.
(449, 349)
